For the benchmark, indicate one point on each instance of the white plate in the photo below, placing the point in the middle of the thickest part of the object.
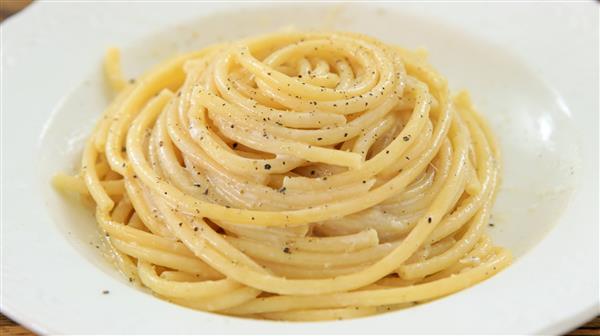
(531, 68)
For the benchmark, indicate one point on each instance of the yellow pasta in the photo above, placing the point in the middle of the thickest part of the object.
(293, 176)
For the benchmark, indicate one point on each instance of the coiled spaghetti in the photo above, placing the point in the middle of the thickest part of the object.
(295, 176)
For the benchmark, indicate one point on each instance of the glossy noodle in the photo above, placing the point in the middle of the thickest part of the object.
(293, 176)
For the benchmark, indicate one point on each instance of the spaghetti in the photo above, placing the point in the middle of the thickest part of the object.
(294, 176)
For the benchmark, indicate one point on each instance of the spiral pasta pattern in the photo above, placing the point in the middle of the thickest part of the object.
(293, 176)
